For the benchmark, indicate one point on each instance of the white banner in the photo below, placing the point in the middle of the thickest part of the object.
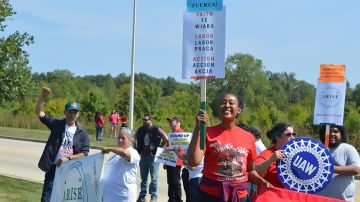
(329, 103)
(78, 180)
(166, 157)
(179, 140)
(204, 45)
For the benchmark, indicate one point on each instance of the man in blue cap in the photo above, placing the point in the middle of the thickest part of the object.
(67, 140)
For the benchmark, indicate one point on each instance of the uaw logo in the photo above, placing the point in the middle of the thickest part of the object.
(330, 97)
(73, 185)
(307, 167)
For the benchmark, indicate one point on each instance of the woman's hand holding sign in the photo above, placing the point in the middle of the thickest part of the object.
(278, 155)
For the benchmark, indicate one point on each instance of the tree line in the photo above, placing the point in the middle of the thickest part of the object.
(269, 97)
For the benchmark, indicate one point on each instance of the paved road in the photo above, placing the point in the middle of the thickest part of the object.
(19, 159)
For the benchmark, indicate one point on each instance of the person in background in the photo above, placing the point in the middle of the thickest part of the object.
(119, 176)
(260, 147)
(347, 164)
(114, 121)
(99, 126)
(148, 138)
(280, 134)
(252, 189)
(123, 119)
(229, 155)
(173, 173)
(68, 140)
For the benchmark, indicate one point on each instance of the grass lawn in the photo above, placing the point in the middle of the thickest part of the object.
(12, 189)
(44, 134)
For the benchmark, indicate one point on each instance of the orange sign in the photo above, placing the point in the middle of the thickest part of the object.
(332, 73)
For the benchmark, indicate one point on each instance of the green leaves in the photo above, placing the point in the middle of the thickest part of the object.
(15, 74)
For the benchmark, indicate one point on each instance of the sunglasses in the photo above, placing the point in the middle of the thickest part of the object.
(289, 134)
(146, 119)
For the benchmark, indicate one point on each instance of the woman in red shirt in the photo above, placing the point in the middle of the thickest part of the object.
(99, 126)
(230, 153)
(280, 134)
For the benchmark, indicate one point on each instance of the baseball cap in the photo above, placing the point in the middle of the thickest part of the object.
(71, 105)
(174, 118)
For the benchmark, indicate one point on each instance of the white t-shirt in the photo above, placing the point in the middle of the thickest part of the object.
(259, 146)
(197, 172)
(119, 178)
(66, 148)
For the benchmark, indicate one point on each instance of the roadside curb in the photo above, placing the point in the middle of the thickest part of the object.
(40, 141)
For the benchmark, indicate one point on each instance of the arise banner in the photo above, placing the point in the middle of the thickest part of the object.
(78, 180)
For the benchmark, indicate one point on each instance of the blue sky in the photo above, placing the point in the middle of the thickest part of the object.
(91, 37)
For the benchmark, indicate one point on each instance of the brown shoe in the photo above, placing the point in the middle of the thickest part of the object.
(141, 200)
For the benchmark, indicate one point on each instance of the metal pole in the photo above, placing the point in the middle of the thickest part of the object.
(132, 80)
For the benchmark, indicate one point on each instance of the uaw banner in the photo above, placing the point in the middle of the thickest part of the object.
(204, 40)
(78, 180)
(329, 103)
(179, 140)
(166, 157)
(307, 167)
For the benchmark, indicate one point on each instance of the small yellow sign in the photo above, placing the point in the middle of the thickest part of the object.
(332, 73)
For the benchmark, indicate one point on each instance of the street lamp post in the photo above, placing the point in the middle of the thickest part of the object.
(132, 80)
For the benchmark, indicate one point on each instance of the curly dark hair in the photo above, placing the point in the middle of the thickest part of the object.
(277, 130)
(344, 137)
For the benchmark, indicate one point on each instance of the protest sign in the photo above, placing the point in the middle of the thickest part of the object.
(332, 73)
(307, 167)
(329, 103)
(179, 140)
(204, 45)
(78, 180)
(166, 157)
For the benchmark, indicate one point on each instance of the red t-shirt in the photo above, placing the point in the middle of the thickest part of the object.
(226, 157)
(123, 119)
(270, 174)
(99, 121)
(179, 162)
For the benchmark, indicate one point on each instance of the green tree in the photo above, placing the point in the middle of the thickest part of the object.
(92, 103)
(15, 74)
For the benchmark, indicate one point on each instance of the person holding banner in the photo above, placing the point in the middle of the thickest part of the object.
(68, 140)
(119, 175)
(347, 164)
(148, 138)
(280, 134)
(229, 155)
(173, 173)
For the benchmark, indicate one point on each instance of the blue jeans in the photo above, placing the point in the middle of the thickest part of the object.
(148, 165)
(99, 131)
(251, 191)
(48, 184)
(194, 188)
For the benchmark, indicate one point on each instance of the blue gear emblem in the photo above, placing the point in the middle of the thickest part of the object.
(307, 167)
